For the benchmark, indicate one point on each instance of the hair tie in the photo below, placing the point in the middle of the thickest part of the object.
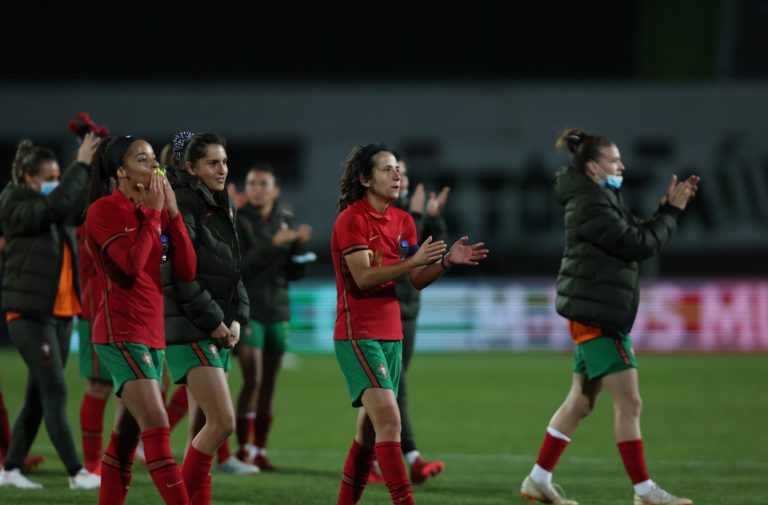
(179, 142)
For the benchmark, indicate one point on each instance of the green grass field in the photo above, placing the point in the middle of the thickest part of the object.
(484, 414)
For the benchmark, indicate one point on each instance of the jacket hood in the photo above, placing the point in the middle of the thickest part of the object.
(570, 181)
(6, 191)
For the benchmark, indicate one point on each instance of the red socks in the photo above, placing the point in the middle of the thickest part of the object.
(178, 406)
(203, 496)
(116, 469)
(91, 424)
(197, 466)
(262, 430)
(245, 427)
(162, 467)
(390, 459)
(223, 453)
(355, 477)
(633, 457)
(5, 430)
(551, 450)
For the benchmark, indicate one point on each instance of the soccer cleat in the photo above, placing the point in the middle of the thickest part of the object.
(658, 496)
(32, 461)
(84, 479)
(545, 493)
(422, 470)
(234, 466)
(14, 478)
(374, 475)
(263, 462)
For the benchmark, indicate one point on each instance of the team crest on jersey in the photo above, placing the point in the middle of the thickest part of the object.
(46, 348)
(214, 352)
(382, 370)
(146, 358)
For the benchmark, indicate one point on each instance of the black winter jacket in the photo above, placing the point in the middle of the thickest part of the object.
(426, 225)
(195, 309)
(598, 280)
(36, 227)
(267, 268)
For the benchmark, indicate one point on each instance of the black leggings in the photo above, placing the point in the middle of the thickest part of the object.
(44, 346)
(408, 444)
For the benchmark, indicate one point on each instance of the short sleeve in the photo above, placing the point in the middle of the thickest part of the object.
(351, 230)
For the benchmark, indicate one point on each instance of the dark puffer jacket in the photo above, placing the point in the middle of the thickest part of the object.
(195, 309)
(35, 227)
(598, 280)
(268, 268)
(426, 225)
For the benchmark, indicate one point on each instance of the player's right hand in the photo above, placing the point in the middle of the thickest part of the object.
(429, 252)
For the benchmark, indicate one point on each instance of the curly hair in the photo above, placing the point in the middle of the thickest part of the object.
(359, 162)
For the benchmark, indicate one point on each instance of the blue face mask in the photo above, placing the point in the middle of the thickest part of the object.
(612, 181)
(47, 186)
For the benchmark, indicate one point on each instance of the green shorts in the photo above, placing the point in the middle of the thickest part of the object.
(273, 338)
(369, 363)
(184, 357)
(603, 356)
(91, 367)
(127, 361)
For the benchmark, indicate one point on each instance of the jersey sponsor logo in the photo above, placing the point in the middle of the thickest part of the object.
(148, 360)
(214, 352)
(382, 370)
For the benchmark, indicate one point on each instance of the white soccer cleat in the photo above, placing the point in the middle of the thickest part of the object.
(85, 480)
(14, 478)
(658, 496)
(234, 466)
(545, 493)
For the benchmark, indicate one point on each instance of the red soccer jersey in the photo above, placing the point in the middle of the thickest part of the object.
(375, 312)
(127, 244)
(90, 292)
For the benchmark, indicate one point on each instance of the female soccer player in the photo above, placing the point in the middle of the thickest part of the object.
(203, 316)
(597, 292)
(372, 244)
(40, 297)
(269, 241)
(129, 233)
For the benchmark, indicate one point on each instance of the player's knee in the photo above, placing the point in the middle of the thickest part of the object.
(223, 423)
(630, 407)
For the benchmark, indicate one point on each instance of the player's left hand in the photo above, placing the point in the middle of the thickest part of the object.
(463, 254)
